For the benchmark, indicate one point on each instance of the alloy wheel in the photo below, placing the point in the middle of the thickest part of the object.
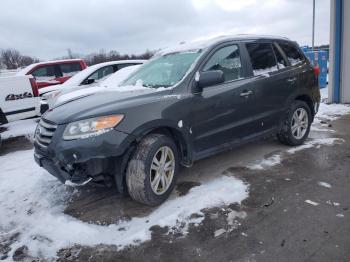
(162, 170)
(300, 123)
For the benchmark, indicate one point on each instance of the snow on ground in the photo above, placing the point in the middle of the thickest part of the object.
(276, 159)
(32, 203)
(19, 128)
(330, 111)
(266, 163)
(311, 202)
(324, 184)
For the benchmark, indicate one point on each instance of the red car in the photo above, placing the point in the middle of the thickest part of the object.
(53, 72)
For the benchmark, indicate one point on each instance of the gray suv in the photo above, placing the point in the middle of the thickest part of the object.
(185, 104)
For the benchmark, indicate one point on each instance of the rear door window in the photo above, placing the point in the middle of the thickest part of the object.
(262, 58)
(281, 62)
(228, 60)
(44, 73)
(102, 73)
(69, 69)
(293, 54)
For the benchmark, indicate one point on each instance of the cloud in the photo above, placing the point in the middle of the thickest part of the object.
(47, 28)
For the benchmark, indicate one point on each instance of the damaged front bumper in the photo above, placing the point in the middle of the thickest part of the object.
(78, 162)
(70, 179)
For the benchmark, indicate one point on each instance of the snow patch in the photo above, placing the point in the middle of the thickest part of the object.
(324, 184)
(32, 203)
(315, 142)
(311, 202)
(265, 163)
(331, 111)
(20, 128)
(277, 158)
(219, 232)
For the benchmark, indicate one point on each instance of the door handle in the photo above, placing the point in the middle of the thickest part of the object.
(246, 93)
(292, 80)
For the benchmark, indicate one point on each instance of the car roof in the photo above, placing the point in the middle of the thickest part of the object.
(209, 42)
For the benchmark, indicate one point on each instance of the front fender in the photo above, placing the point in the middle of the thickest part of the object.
(180, 132)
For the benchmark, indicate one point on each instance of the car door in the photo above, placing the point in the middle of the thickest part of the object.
(299, 67)
(271, 86)
(220, 112)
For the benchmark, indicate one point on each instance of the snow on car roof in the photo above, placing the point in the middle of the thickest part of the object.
(205, 43)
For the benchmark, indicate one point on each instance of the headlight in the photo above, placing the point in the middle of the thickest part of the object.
(91, 127)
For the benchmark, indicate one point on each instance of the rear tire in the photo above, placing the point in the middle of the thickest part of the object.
(296, 124)
(152, 170)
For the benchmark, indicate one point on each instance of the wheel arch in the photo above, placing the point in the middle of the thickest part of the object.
(307, 99)
(178, 136)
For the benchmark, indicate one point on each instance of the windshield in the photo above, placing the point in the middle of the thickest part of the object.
(164, 71)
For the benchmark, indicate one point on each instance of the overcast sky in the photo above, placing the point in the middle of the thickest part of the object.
(46, 29)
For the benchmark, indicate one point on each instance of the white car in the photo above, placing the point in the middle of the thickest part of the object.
(60, 96)
(91, 75)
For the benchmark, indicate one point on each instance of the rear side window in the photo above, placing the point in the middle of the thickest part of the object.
(262, 58)
(70, 69)
(293, 54)
(102, 73)
(44, 73)
(226, 59)
(281, 62)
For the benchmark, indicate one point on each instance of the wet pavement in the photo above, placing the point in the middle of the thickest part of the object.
(288, 216)
(279, 226)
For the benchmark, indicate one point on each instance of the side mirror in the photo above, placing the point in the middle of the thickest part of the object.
(210, 78)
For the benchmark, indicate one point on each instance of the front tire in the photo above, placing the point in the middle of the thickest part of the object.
(152, 170)
(296, 124)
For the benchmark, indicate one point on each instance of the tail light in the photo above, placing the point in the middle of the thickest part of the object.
(34, 87)
(317, 71)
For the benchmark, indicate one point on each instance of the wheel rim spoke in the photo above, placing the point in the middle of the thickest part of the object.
(155, 167)
(163, 182)
(155, 183)
(294, 128)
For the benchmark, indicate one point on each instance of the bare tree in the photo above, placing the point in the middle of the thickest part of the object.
(12, 59)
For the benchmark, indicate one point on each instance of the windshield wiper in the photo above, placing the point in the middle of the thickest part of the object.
(156, 86)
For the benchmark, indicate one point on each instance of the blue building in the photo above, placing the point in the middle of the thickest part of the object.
(339, 60)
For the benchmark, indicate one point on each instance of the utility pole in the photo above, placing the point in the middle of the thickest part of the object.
(313, 26)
